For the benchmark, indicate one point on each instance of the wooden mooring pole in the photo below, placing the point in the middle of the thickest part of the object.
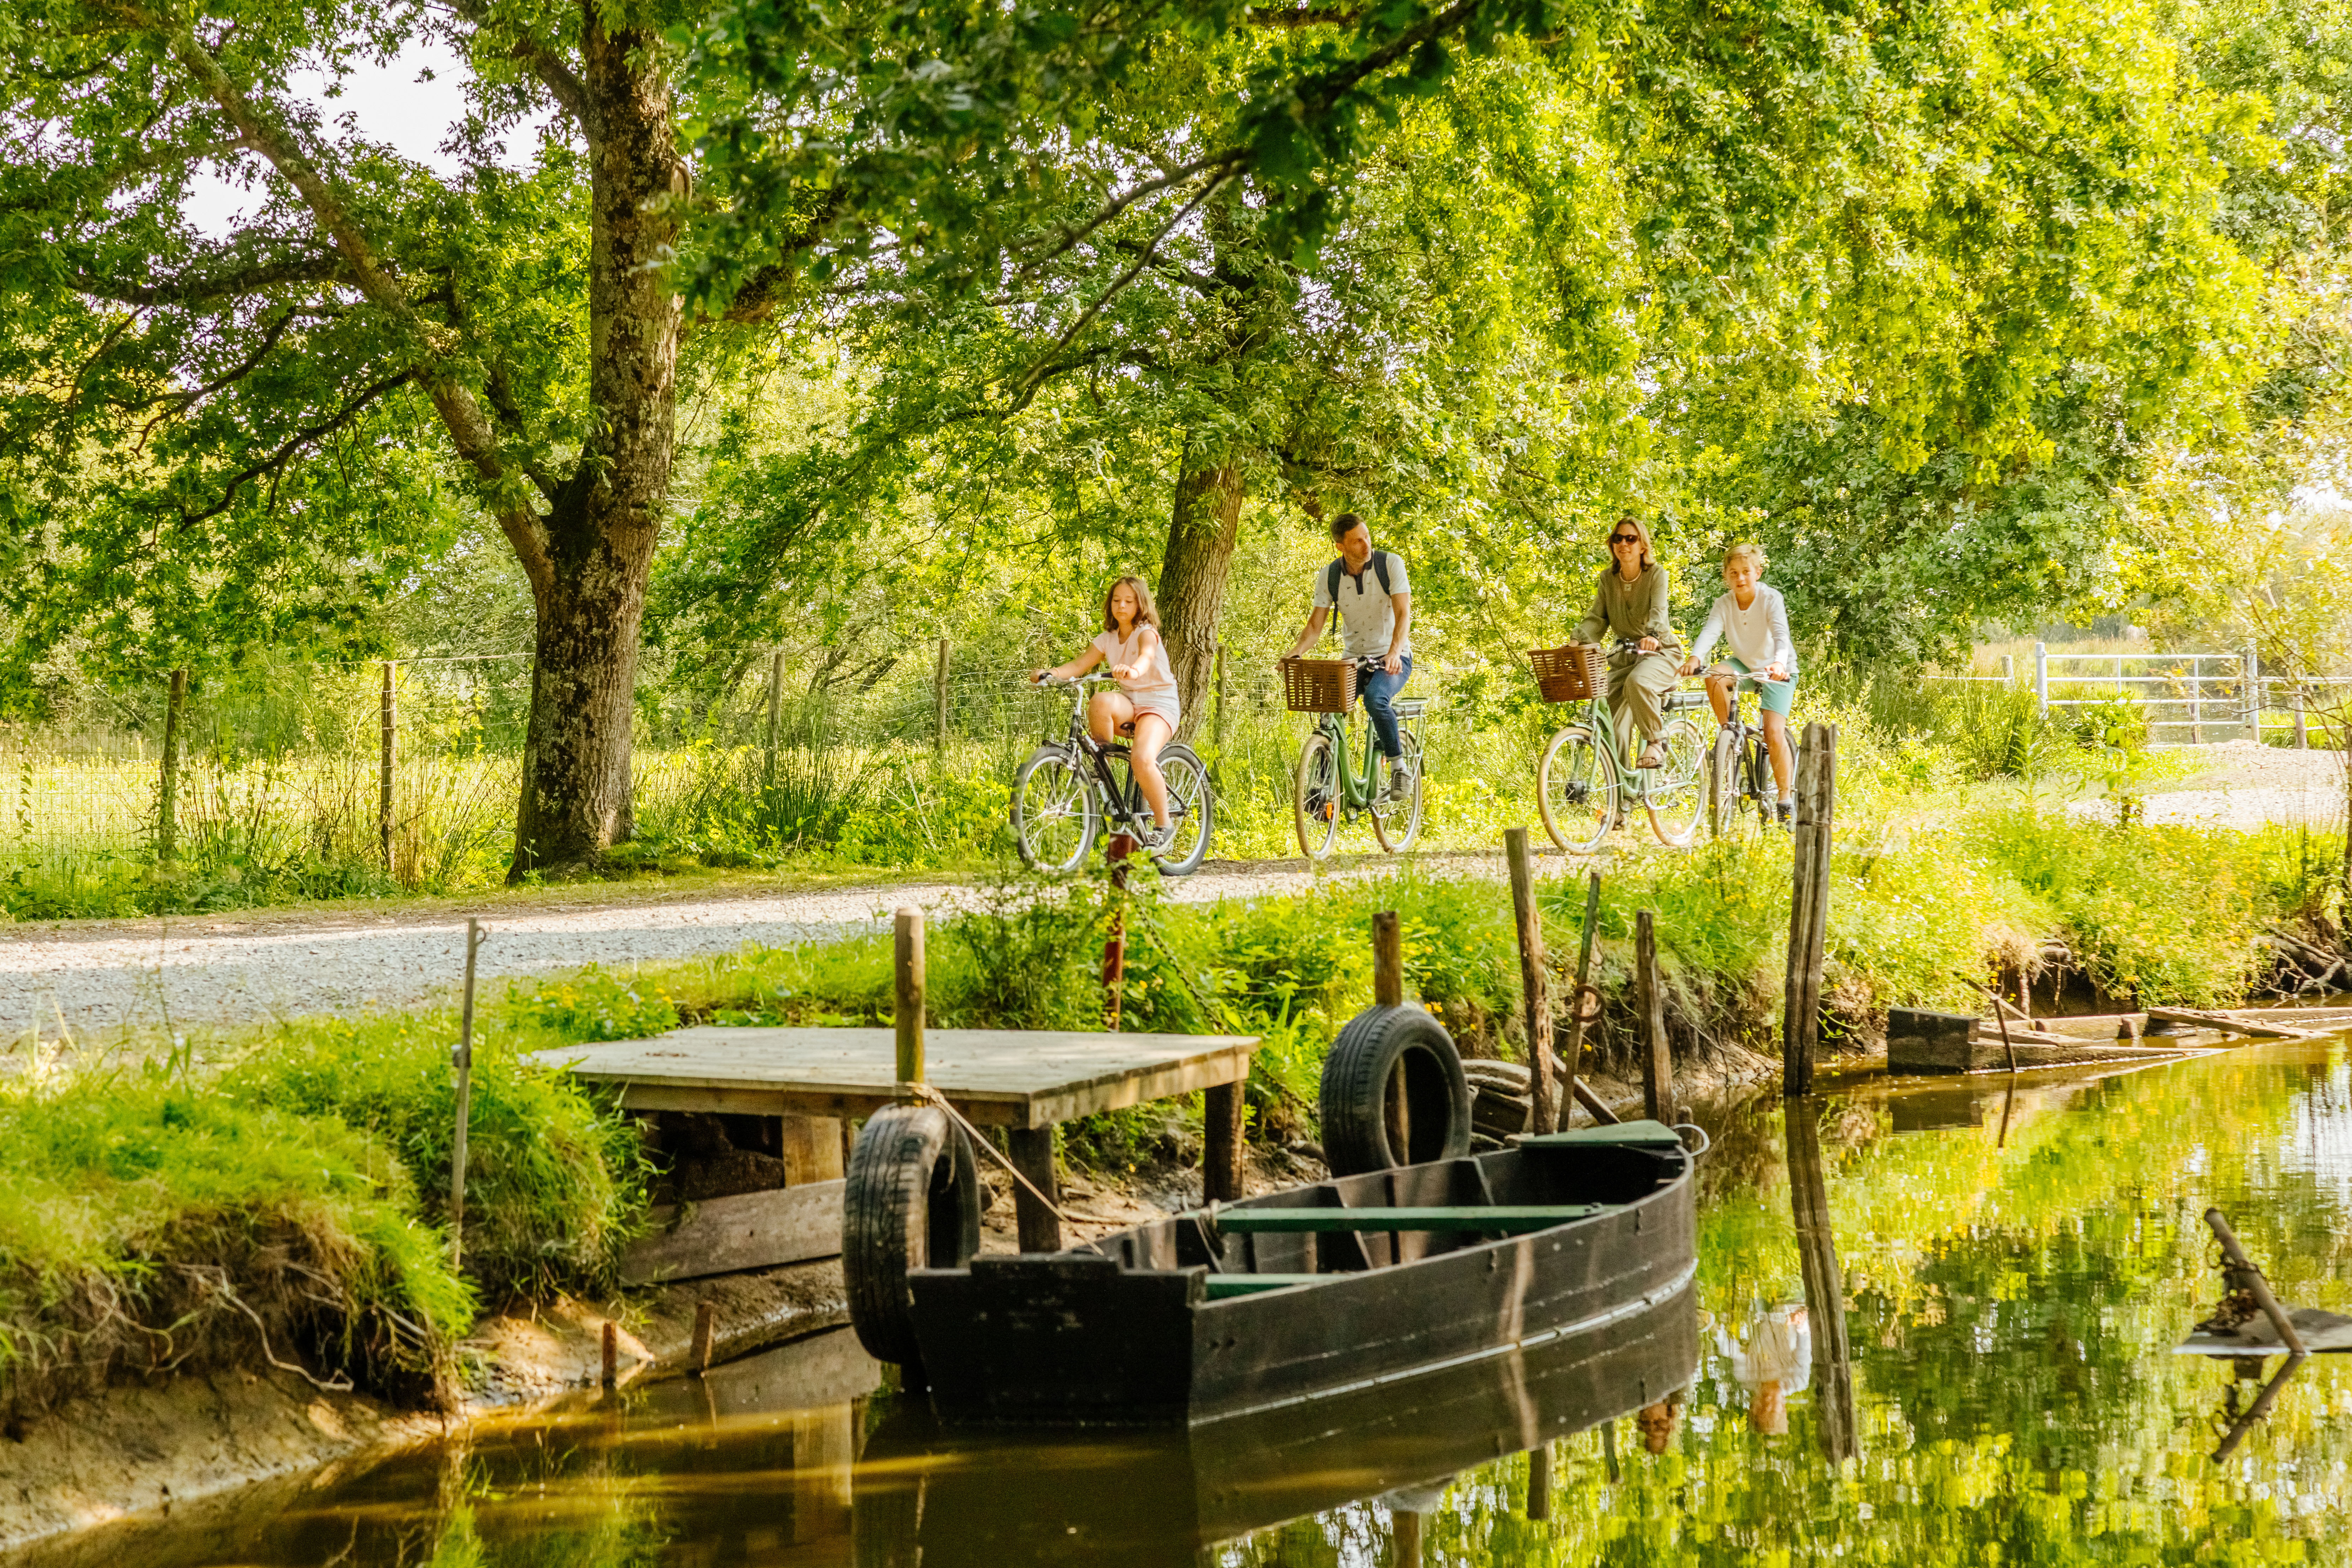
(1530, 921)
(1657, 1067)
(462, 1069)
(1576, 999)
(1824, 1282)
(1809, 908)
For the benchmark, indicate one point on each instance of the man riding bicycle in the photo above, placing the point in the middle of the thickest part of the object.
(1375, 622)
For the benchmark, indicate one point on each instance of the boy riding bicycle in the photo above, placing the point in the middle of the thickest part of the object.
(1375, 622)
(1753, 621)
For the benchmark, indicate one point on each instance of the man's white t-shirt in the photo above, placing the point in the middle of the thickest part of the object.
(1367, 613)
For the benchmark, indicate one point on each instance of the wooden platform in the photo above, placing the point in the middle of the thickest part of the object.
(1017, 1078)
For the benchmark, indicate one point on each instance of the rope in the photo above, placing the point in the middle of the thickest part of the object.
(930, 1096)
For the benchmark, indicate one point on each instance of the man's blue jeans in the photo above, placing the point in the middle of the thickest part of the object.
(1379, 691)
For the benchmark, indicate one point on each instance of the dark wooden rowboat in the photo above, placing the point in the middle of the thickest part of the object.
(1317, 1290)
(952, 1497)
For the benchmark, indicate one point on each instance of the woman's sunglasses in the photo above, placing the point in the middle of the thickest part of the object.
(1624, 539)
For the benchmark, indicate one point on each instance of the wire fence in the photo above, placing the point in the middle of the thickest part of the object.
(409, 770)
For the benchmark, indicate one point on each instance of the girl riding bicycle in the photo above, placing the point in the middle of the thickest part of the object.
(1145, 704)
(1753, 621)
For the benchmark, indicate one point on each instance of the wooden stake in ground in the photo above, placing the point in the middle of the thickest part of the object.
(1531, 977)
(1657, 1067)
(612, 1370)
(1388, 960)
(1576, 999)
(1539, 1482)
(907, 989)
(461, 1062)
(1809, 908)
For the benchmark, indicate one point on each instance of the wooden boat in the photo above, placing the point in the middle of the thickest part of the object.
(954, 1496)
(1317, 1290)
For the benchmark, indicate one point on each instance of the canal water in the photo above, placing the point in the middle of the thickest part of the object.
(1934, 1324)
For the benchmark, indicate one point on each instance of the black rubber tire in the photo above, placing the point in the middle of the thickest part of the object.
(1356, 1083)
(911, 1201)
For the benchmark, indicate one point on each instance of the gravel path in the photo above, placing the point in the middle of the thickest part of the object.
(196, 971)
(2243, 785)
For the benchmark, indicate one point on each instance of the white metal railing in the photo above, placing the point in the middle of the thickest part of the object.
(2188, 698)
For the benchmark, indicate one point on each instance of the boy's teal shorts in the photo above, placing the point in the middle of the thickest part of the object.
(1776, 695)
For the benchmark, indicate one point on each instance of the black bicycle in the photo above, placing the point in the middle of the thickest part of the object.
(1068, 790)
(1741, 767)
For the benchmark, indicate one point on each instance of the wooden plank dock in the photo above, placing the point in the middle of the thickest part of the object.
(1022, 1079)
(816, 1079)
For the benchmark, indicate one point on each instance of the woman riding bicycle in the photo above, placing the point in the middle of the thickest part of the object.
(1753, 622)
(1145, 704)
(1630, 606)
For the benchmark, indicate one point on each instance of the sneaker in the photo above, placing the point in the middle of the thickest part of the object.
(1399, 781)
(1784, 813)
(1156, 839)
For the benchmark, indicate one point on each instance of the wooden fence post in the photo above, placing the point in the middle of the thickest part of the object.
(2042, 680)
(462, 1069)
(1657, 1067)
(1217, 724)
(775, 711)
(167, 804)
(1530, 921)
(908, 1014)
(2253, 680)
(1809, 904)
(383, 774)
(939, 703)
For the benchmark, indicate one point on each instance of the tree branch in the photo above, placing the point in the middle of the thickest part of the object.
(429, 347)
(1224, 161)
(553, 71)
(1086, 317)
(1306, 16)
(326, 268)
(294, 442)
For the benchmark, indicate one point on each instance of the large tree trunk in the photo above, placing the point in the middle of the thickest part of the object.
(1201, 535)
(601, 529)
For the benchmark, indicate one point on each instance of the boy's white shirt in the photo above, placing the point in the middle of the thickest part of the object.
(1757, 636)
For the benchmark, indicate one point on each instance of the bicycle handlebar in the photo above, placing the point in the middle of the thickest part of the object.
(1065, 683)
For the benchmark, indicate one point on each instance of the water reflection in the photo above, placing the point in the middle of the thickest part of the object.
(1985, 1373)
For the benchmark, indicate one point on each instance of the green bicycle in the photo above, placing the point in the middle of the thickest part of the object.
(1329, 787)
(1587, 779)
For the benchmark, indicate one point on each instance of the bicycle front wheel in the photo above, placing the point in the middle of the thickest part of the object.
(1576, 790)
(1725, 779)
(1190, 811)
(1054, 817)
(1397, 823)
(1314, 802)
(1676, 794)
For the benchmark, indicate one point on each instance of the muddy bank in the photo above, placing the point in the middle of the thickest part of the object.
(238, 1440)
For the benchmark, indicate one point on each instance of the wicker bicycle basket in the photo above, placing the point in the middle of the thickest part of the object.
(1318, 685)
(1569, 674)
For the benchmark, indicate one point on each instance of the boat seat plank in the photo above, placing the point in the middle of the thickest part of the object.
(1511, 1219)
(1647, 1134)
(1224, 1286)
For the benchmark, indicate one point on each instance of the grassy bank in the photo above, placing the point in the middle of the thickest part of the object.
(285, 1189)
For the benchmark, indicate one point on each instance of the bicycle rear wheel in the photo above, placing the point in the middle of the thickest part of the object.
(1576, 790)
(1676, 791)
(1315, 799)
(1397, 823)
(1054, 814)
(1190, 811)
